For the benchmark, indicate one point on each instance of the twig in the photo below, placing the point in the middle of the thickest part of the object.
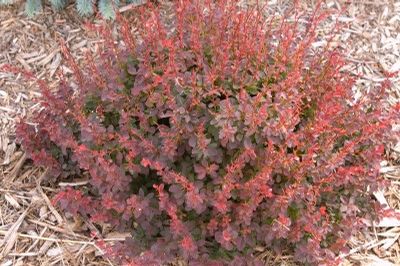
(74, 184)
(68, 241)
(11, 235)
(17, 168)
(2, 232)
(46, 199)
(52, 227)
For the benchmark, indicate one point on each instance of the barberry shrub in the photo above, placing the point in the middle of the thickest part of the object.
(213, 132)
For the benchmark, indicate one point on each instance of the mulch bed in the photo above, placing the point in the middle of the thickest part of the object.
(33, 232)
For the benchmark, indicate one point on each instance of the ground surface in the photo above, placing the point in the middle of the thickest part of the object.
(32, 232)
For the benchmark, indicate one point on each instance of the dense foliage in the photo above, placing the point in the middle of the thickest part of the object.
(106, 8)
(215, 132)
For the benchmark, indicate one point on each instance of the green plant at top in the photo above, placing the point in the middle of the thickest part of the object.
(107, 8)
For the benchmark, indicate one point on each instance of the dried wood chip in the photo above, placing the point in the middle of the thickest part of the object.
(13, 202)
(389, 242)
(58, 217)
(11, 235)
(23, 63)
(37, 58)
(7, 263)
(79, 45)
(117, 236)
(46, 245)
(395, 67)
(15, 171)
(384, 222)
(54, 252)
(8, 153)
(29, 55)
(55, 64)
(381, 198)
(48, 58)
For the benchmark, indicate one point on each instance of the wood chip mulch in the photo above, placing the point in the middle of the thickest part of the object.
(33, 232)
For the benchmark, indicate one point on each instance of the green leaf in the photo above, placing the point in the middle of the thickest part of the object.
(91, 104)
(111, 118)
(269, 220)
(293, 212)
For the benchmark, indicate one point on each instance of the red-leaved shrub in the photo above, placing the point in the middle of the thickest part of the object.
(213, 132)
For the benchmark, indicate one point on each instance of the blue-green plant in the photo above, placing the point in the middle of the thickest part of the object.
(84, 7)
(58, 4)
(33, 7)
(5, 2)
(107, 8)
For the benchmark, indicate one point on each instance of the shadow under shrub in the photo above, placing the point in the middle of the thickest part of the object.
(214, 134)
